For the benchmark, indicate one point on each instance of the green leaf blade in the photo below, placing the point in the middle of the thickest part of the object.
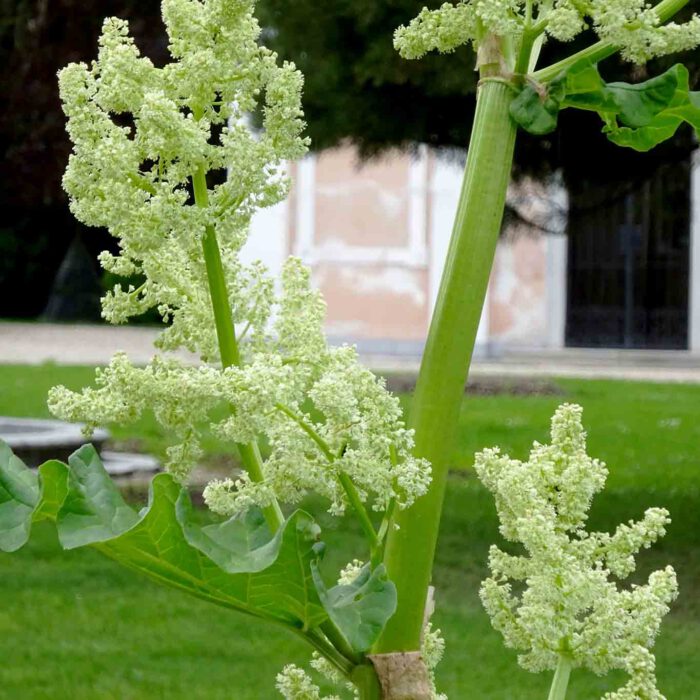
(237, 564)
(19, 494)
(638, 116)
(536, 114)
(640, 103)
(53, 482)
(361, 609)
(93, 509)
(278, 569)
(648, 137)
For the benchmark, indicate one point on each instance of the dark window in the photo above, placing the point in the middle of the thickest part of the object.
(629, 263)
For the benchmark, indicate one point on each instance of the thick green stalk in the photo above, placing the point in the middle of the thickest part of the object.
(438, 396)
(561, 679)
(226, 334)
(365, 679)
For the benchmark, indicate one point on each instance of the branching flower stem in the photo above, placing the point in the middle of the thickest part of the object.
(532, 31)
(330, 651)
(561, 679)
(666, 10)
(345, 481)
(338, 651)
(363, 517)
(226, 335)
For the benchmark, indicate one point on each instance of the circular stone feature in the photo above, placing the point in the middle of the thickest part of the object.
(35, 441)
(129, 463)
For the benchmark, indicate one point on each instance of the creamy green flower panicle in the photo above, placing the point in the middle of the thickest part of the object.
(360, 430)
(189, 115)
(295, 684)
(633, 26)
(570, 606)
(142, 135)
(350, 572)
(432, 650)
(441, 30)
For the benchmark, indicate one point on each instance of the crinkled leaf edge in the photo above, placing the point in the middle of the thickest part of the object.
(638, 116)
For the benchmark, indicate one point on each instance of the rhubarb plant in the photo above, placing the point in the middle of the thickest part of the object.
(571, 612)
(167, 158)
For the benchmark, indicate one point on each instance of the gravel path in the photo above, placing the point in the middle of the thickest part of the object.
(35, 343)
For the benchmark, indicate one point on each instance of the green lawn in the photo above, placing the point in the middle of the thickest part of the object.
(76, 626)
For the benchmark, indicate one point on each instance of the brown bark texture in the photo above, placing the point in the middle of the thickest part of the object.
(403, 676)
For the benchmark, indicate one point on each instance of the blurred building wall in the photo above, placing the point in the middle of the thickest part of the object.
(376, 235)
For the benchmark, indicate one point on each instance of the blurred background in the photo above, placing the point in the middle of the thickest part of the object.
(597, 246)
(594, 299)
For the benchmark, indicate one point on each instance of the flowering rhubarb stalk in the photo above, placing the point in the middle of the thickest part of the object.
(147, 183)
(571, 613)
(166, 159)
(507, 36)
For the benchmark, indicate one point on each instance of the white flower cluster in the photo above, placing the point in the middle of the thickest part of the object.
(142, 136)
(564, 603)
(631, 25)
(139, 135)
(440, 30)
(350, 572)
(294, 683)
(433, 649)
(322, 414)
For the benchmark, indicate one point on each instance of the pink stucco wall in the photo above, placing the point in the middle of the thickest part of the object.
(367, 232)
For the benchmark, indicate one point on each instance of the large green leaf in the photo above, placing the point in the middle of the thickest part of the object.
(637, 116)
(93, 509)
(19, 494)
(360, 609)
(639, 104)
(236, 564)
(646, 132)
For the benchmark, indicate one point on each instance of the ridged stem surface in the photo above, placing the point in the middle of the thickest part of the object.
(438, 397)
